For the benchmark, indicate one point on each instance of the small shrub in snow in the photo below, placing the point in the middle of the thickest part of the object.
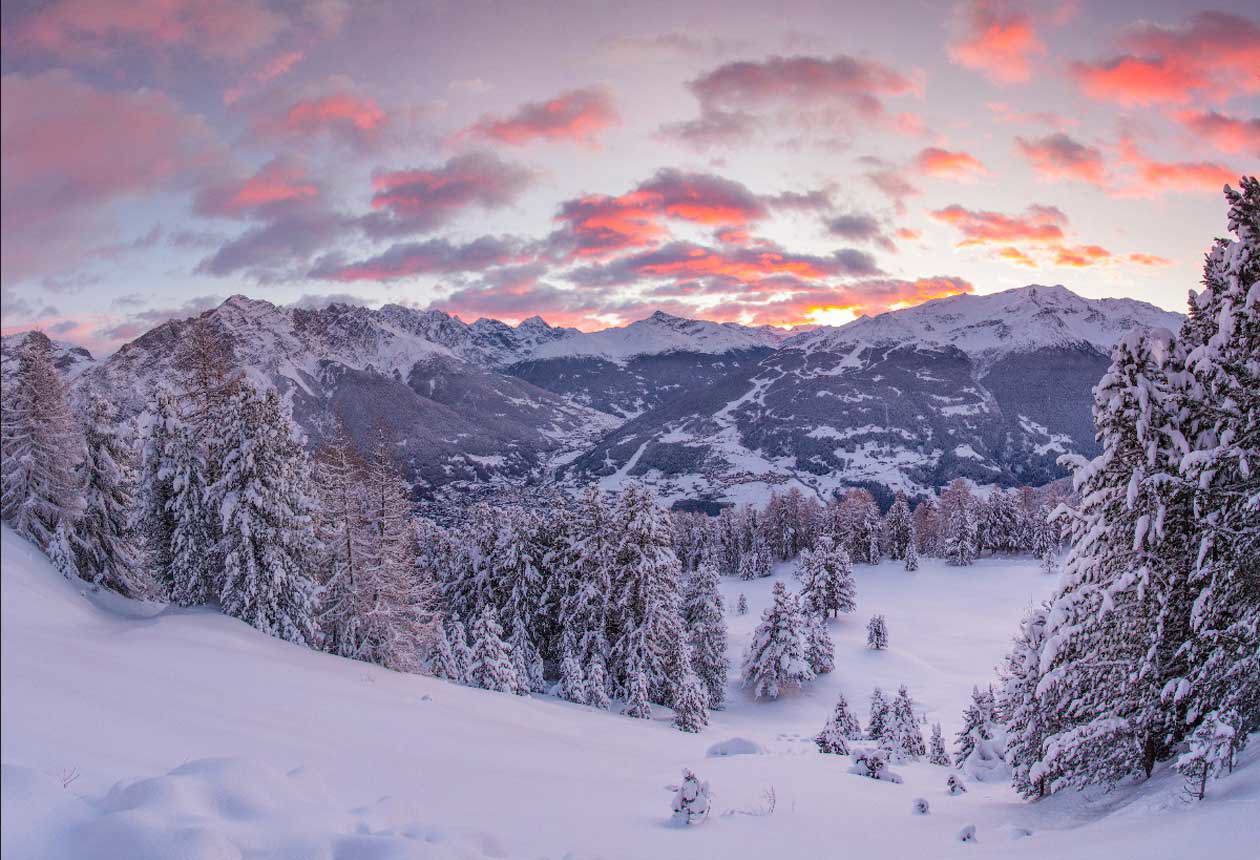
(920, 806)
(873, 764)
(967, 834)
(691, 800)
(1210, 754)
(954, 785)
(877, 633)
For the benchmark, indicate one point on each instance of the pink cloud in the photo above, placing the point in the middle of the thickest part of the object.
(279, 183)
(578, 116)
(1058, 156)
(1152, 176)
(944, 164)
(1227, 133)
(1213, 54)
(341, 114)
(997, 40)
(802, 81)
(90, 30)
(977, 227)
(269, 71)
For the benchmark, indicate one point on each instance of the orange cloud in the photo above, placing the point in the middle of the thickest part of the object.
(1036, 224)
(996, 40)
(1149, 260)
(945, 164)
(1015, 255)
(1081, 256)
(1227, 133)
(577, 115)
(1152, 176)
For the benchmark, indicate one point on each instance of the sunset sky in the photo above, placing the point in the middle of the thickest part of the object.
(593, 161)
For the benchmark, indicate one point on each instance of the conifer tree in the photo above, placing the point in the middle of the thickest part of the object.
(637, 704)
(264, 500)
(820, 652)
(778, 657)
(755, 563)
(841, 727)
(108, 554)
(461, 650)
(977, 730)
(195, 553)
(898, 528)
(341, 526)
(526, 660)
(586, 567)
(492, 667)
(912, 555)
(1027, 722)
(1000, 528)
(61, 552)
(877, 633)
(936, 749)
(691, 705)
(40, 445)
(597, 684)
(741, 605)
(572, 686)
(442, 660)
(904, 737)
(827, 585)
(878, 726)
(706, 625)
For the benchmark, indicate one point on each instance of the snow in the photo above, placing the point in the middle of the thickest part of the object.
(195, 736)
(989, 326)
(660, 333)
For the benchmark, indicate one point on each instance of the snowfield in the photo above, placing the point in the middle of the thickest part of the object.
(184, 733)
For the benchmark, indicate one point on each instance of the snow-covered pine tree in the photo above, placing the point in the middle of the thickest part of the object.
(206, 369)
(1221, 402)
(898, 528)
(741, 605)
(777, 657)
(927, 528)
(691, 800)
(41, 445)
(691, 705)
(977, 729)
(1000, 528)
(877, 633)
(638, 705)
(706, 627)
(904, 738)
(61, 552)
(841, 727)
(108, 553)
(877, 724)
(858, 526)
(526, 660)
(820, 652)
(827, 585)
(461, 650)
(1123, 607)
(645, 621)
(195, 553)
(1209, 754)
(492, 667)
(597, 684)
(585, 567)
(341, 526)
(912, 554)
(936, 747)
(1027, 723)
(442, 660)
(264, 500)
(755, 563)
(572, 686)
(961, 531)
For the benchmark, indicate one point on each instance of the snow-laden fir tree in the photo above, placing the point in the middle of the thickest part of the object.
(975, 750)
(597, 684)
(904, 738)
(912, 556)
(492, 667)
(264, 500)
(691, 800)
(585, 570)
(108, 552)
(877, 724)
(460, 649)
(827, 585)
(691, 705)
(706, 627)
(526, 659)
(195, 553)
(61, 552)
(755, 563)
(927, 528)
(741, 605)
(645, 623)
(1026, 720)
(962, 537)
(841, 727)
(442, 660)
(1001, 528)
(41, 446)
(1221, 429)
(898, 528)
(638, 705)
(1123, 607)
(877, 633)
(572, 686)
(777, 657)
(820, 652)
(936, 747)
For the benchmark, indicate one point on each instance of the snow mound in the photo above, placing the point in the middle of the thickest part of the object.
(735, 746)
(216, 809)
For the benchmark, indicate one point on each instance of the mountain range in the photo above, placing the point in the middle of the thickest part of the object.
(989, 387)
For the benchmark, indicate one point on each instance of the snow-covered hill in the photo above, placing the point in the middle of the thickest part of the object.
(130, 730)
(988, 327)
(69, 359)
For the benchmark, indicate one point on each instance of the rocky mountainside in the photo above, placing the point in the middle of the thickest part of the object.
(70, 359)
(992, 388)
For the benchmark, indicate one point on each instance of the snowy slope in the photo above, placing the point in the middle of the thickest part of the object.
(661, 333)
(1017, 320)
(71, 360)
(194, 736)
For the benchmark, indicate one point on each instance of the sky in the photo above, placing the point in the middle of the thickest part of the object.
(591, 162)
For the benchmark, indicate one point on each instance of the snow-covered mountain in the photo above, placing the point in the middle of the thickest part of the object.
(454, 419)
(70, 359)
(988, 327)
(992, 388)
